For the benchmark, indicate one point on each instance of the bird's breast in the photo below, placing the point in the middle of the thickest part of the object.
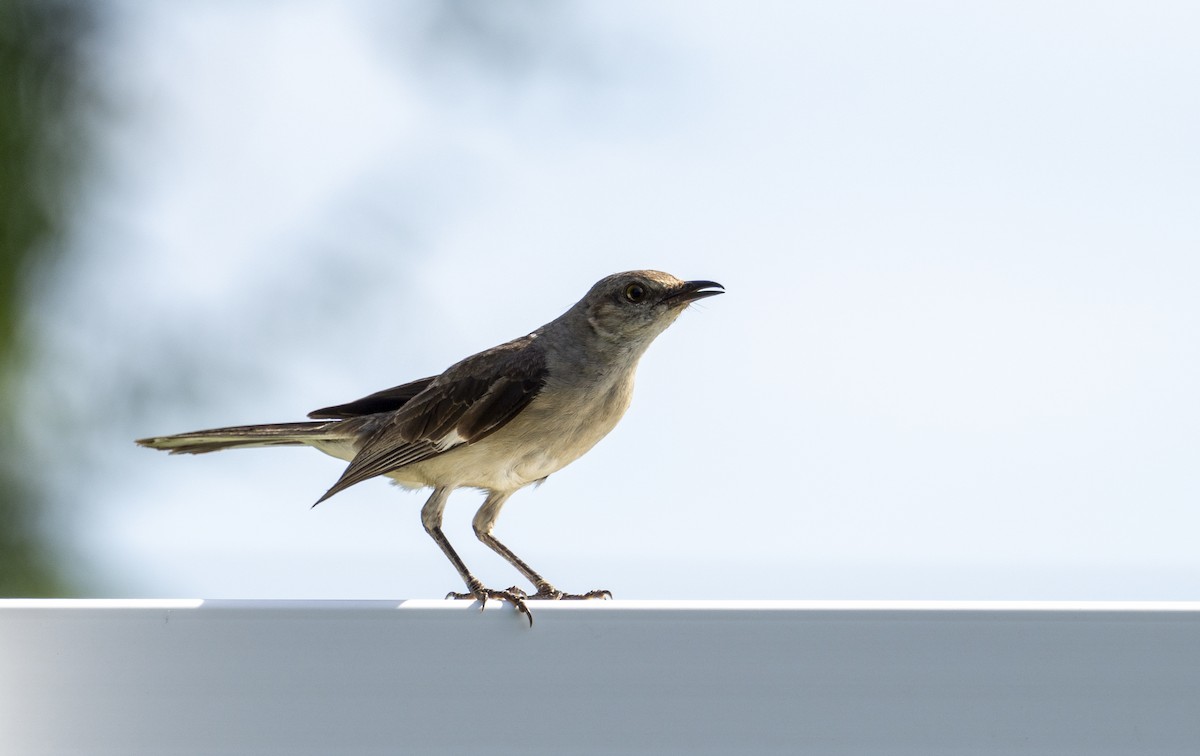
(560, 425)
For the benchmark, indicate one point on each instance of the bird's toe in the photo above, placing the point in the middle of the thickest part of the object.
(547, 592)
(482, 594)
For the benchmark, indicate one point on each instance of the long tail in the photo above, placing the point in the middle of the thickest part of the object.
(276, 434)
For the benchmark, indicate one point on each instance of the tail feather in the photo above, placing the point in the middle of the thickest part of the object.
(242, 436)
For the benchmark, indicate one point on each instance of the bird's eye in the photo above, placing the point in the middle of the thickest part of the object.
(635, 292)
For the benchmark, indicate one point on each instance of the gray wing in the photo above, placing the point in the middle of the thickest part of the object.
(468, 402)
(388, 400)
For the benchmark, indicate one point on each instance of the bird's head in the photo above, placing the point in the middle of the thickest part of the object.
(634, 307)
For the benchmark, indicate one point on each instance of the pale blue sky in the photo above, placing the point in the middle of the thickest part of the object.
(957, 357)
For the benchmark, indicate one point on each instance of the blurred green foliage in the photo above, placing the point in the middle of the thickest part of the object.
(50, 96)
(41, 146)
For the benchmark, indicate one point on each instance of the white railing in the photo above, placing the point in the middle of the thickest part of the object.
(341, 677)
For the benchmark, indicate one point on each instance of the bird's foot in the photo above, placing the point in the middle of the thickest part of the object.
(478, 592)
(547, 592)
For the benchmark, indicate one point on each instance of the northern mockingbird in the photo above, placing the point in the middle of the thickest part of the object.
(497, 421)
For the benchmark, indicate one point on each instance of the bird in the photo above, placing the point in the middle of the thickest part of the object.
(497, 421)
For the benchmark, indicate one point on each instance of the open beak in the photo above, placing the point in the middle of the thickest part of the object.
(693, 290)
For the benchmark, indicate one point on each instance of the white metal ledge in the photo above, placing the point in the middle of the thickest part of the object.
(340, 677)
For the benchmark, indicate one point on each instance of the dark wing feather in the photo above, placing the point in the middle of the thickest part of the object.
(468, 402)
(388, 400)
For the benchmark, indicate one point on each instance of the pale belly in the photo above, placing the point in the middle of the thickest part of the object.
(540, 441)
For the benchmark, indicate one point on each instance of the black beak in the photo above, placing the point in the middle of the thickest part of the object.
(693, 290)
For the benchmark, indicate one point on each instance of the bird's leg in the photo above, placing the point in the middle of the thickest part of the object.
(431, 518)
(485, 521)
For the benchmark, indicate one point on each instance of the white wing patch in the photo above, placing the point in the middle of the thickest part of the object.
(449, 441)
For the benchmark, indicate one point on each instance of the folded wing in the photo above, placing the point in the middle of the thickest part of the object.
(468, 402)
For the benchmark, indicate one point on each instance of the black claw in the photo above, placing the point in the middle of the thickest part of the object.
(520, 604)
(517, 599)
(514, 596)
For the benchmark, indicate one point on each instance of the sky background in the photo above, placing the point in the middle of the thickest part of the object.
(957, 359)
